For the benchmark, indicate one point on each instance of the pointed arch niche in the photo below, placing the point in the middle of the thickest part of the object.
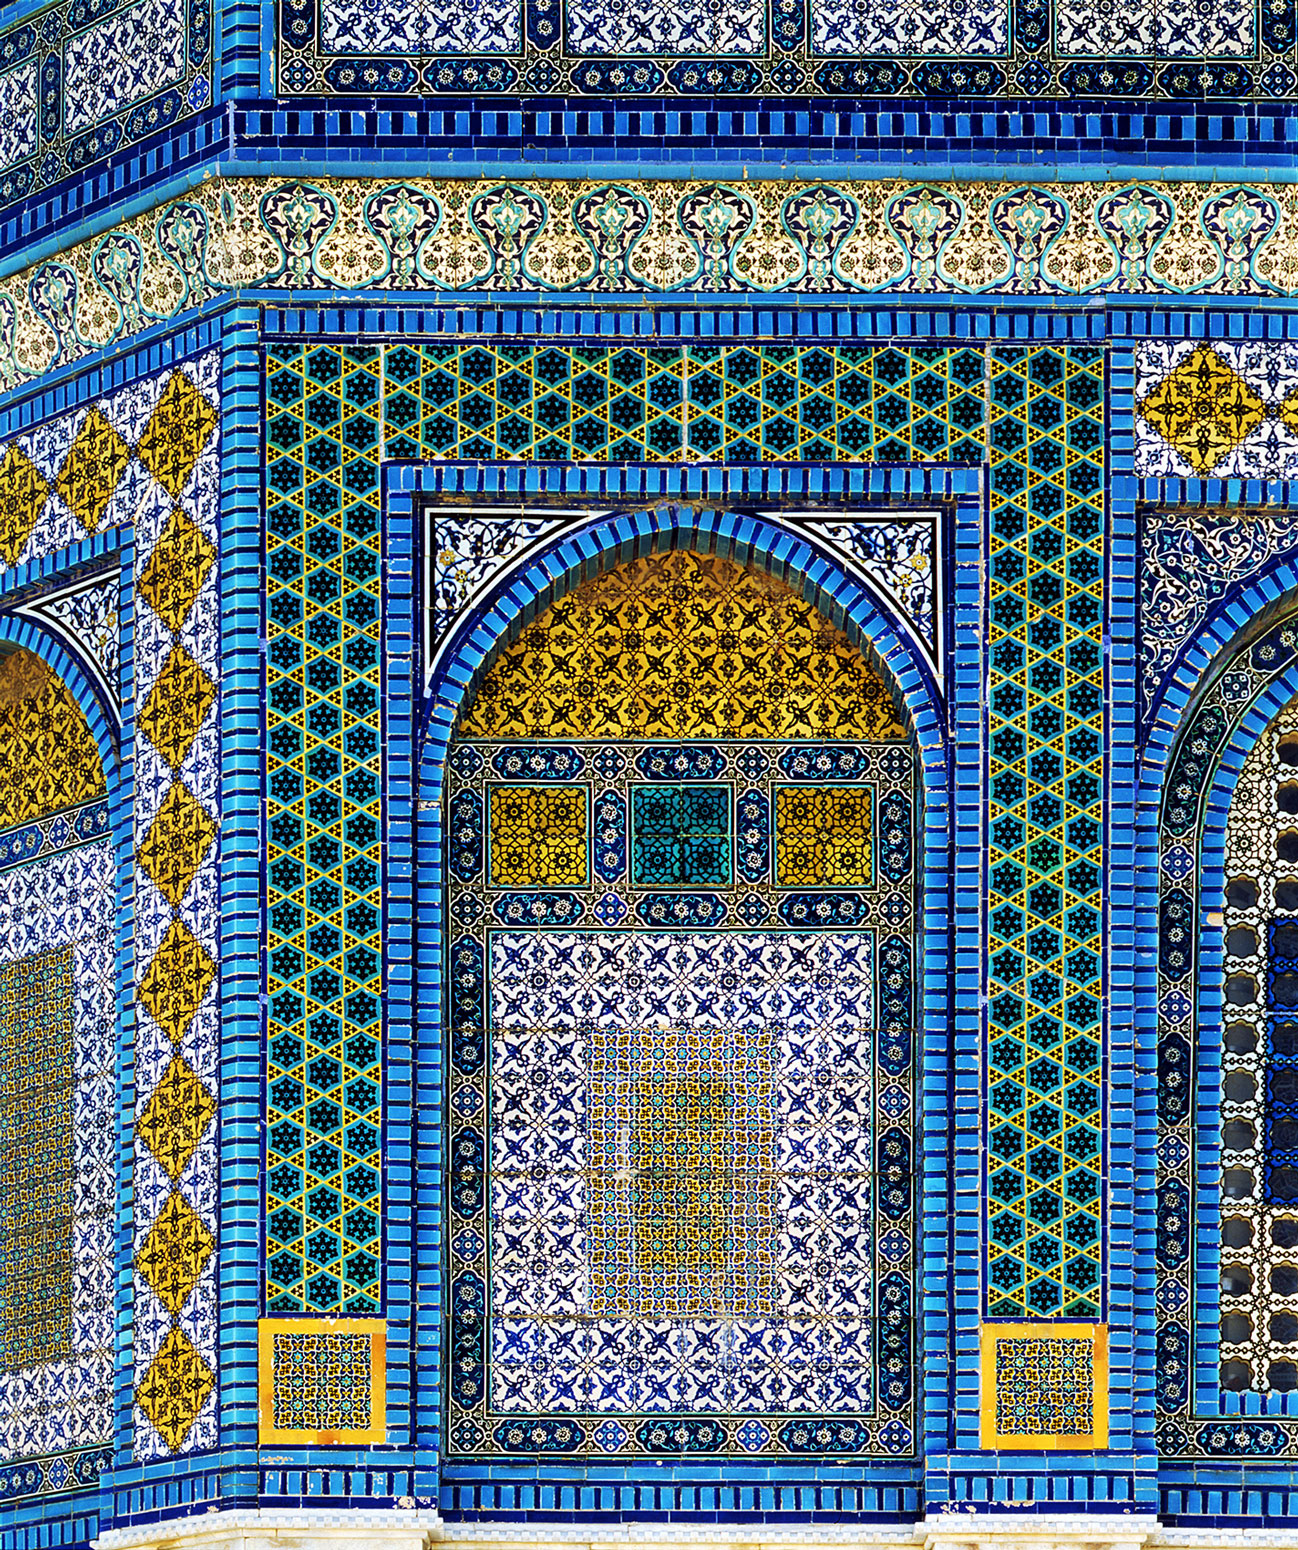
(58, 873)
(680, 847)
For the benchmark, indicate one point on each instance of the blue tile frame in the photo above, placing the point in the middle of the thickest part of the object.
(734, 1489)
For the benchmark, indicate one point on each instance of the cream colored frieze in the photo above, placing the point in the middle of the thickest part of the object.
(340, 238)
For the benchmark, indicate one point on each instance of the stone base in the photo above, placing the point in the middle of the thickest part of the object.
(411, 1529)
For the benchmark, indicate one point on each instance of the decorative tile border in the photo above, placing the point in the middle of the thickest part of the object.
(177, 652)
(321, 1381)
(1043, 842)
(1045, 1386)
(668, 237)
(1067, 49)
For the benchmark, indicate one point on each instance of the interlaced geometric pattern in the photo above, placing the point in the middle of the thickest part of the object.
(324, 894)
(689, 1226)
(322, 1381)
(177, 909)
(766, 402)
(680, 835)
(1044, 1388)
(788, 401)
(824, 837)
(1045, 858)
(1259, 1124)
(682, 1099)
(656, 648)
(37, 1165)
(537, 837)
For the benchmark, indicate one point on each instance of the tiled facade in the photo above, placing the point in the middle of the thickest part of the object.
(648, 773)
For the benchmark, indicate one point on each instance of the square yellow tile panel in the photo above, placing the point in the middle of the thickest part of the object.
(824, 837)
(1045, 1386)
(321, 1380)
(537, 836)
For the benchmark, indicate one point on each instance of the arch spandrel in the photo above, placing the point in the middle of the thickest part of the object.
(681, 644)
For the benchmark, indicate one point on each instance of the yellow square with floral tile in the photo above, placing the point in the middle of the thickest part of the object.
(537, 836)
(824, 837)
(1045, 1386)
(321, 1380)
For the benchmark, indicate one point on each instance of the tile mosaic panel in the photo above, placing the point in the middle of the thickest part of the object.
(565, 403)
(467, 549)
(653, 1123)
(37, 1165)
(171, 422)
(651, 1169)
(86, 616)
(1190, 560)
(824, 839)
(324, 729)
(536, 837)
(96, 468)
(680, 836)
(1045, 1386)
(1224, 410)
(663, 236)
(88, 80)
(1046, 773)
(57, 1090)
(1259, 1137)
(50, 760)
(1069, 48)
(322, 1381)
(670, 1165)
(681, 1204)
(568, 676)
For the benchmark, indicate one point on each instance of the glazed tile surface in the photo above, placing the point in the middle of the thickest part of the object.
(82, 81)
(177, 938)
(869, 237)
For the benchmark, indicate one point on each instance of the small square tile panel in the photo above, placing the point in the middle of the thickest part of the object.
(321, 1381)
(1045, 1386)
(537, 837)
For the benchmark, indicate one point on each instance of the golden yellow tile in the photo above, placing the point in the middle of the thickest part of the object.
(175, 1388)
(175, 1252)
(537, 836)
(178, 840)
(176, 570)
(176, 1117)
(177, 706)
(1203, 409)
(178, 431)
(23, 493)
(1045, 1386)
(95, 463)
(322, 1381)
(824, 837)
(176, 981)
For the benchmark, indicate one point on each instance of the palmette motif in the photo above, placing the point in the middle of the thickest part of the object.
(669, 236)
